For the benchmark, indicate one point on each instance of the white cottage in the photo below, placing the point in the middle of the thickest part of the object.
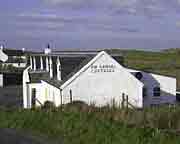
(100, 80)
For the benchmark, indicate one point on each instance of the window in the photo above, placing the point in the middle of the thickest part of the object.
(139, 75)
(178, 96)
(157, 91)
(144, 91)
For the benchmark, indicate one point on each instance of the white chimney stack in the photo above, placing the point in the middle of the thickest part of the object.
(3, 56)
(1, 47)
(23, 49)
(47, 50)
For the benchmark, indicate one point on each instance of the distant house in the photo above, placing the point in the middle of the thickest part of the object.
(95, 77)
(16, 58)
(12, 63)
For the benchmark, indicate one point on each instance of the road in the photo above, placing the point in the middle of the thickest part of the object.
(11, 136)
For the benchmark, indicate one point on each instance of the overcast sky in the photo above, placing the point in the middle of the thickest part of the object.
(90, 24)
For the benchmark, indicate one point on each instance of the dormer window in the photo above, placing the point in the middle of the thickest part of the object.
(139, 75)
(157, 91)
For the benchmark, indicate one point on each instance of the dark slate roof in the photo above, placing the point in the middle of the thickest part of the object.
(69, 66)
(13, 52)
(81, 65)
(86, 61)
(74, 71)
(15, 60)
(54, 82)
(37, 76)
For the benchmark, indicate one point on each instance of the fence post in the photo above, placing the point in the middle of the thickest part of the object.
(127, 101)
(123, 99)
(70, 92)
(61, 96)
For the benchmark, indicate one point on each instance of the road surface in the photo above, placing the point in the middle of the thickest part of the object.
(11, 136)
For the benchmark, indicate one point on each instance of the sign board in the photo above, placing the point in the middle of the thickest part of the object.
(102, 68)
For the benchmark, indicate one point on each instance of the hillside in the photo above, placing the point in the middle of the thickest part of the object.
(164, 62)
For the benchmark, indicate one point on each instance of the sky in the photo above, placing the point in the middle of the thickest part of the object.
(90, 24)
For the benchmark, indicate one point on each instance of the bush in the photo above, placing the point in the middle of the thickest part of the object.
(77, 105)
(48, 105)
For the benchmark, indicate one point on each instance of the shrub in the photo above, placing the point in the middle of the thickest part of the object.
(48, 105)
(76, 106)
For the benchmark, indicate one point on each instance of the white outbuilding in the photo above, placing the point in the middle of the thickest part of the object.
(100, 80)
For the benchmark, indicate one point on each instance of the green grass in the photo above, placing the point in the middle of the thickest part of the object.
(164, 62)
(97, 126)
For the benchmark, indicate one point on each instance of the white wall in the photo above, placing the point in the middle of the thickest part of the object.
(50, 93)
(44, 92)
(166, 84)
(1, 80)
(168, 89)
(101, 87)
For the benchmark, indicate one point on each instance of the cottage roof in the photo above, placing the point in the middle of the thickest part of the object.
(37, 76)
(69, 67)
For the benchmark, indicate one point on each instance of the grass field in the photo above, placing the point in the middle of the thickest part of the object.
(91, 125)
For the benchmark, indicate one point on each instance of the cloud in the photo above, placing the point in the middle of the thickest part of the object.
(95, 4)
(62, 1)
(114, 2)
(37, 15)
(178, 24)
(150, 8)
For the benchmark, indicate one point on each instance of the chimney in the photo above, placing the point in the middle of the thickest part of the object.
(47, 50)
(23, 50)
(1, 46)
